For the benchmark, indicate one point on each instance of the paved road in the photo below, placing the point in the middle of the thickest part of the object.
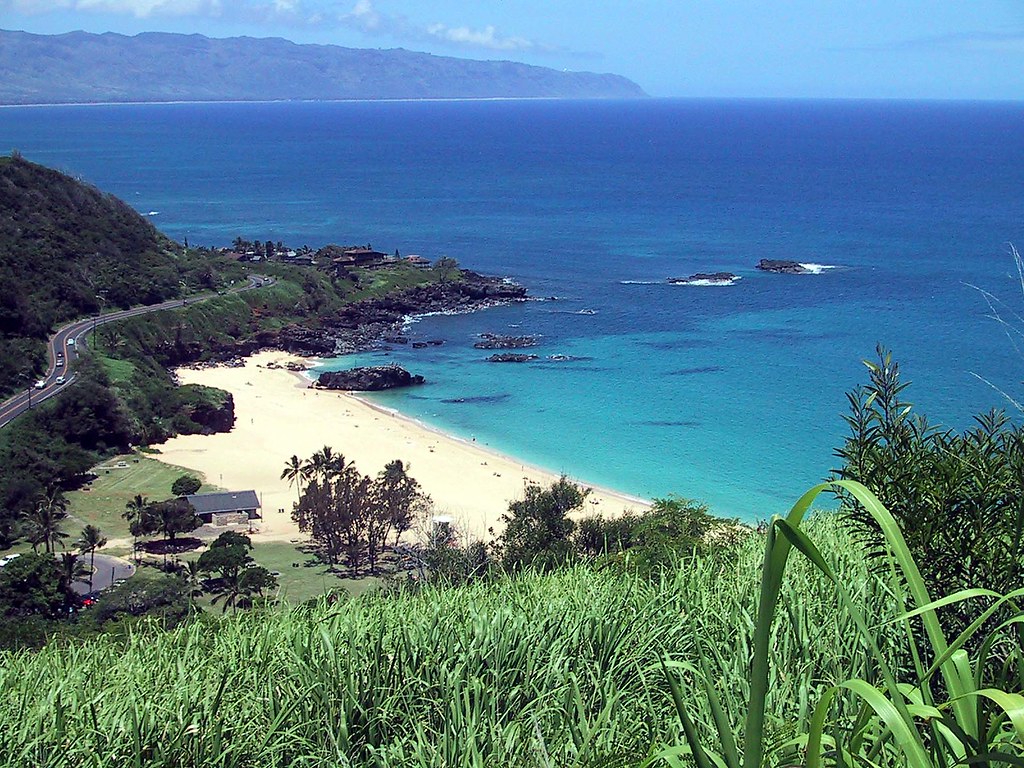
(62, 350)
(108, 570)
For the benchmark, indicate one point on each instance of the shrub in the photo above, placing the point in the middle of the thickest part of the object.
(957, 497)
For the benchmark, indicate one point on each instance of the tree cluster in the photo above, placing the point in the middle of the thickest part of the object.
(957, 496)
(186, 485)
(169, 518)
(233, 577)
(349, 515)
(38, 584)
(541, 533)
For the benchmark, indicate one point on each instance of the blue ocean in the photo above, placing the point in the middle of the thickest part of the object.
(732, 395)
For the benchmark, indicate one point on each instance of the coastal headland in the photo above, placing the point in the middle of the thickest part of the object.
(277, 415)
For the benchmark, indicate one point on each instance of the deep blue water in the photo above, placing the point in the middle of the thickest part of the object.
(732, 395)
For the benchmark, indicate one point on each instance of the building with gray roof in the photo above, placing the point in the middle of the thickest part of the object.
(226, 507)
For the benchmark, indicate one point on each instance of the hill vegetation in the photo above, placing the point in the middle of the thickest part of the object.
(80, 67)
(68, 250)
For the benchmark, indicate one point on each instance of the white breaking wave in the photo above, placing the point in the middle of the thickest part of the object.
(153, 213)
(817, 269)
(711, 283)
(641, 282)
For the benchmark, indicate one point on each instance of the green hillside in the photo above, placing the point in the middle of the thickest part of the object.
(68, 250)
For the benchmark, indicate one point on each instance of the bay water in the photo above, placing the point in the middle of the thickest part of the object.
(732, 395)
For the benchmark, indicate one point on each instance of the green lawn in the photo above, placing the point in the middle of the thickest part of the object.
(301, 583)
(118, 371)
(382, 280)
(298, 581)
(102, 501)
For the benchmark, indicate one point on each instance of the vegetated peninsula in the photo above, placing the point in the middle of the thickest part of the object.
(80, 67)
(68, 250)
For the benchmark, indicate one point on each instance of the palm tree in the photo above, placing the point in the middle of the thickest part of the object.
(194, 577)
(71, 570)
(337, 466)
(133, 512)
(231, 591)
(329, 461)
(314, 467)
(44, 524)
(91, 540)
(326, 465)
(295, 473)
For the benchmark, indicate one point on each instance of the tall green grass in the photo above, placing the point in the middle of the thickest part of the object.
(560, 670)
(945, 709)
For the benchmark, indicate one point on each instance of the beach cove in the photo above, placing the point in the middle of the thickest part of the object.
(278, 415)
(731, 395)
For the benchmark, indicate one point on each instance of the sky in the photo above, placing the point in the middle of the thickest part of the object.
(931, 49)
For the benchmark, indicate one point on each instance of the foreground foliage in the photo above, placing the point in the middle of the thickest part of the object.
(944, 709)
(957, 497)
(563, 669)
(797, 662)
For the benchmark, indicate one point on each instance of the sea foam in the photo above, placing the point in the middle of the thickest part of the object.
(710, 283)
(817, 269)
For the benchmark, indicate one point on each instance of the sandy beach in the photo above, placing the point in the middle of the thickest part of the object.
(278, 416)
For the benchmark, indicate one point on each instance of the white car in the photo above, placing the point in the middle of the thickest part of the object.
(8, 558)
(60, 380)
(71, 342)
(41, 384)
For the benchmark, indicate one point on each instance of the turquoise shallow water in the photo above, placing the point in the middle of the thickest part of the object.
(732, 394)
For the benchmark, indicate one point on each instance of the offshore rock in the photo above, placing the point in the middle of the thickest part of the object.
(705, 277)
(510, 357)
(369, 379)
(782, 267)
(496, 341)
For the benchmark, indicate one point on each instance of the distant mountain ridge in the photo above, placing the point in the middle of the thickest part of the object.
(81, 67)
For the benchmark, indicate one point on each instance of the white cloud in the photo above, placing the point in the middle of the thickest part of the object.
(480, 38)
(145, 8)
(363, 17)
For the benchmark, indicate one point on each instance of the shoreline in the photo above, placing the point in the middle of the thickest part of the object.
(305, 379)
(277, 415)
(603, 490)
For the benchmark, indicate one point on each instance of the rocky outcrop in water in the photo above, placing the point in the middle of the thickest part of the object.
(704, 277)
(366, 324)
(497, 341)
(510, 357)
(782, 267)
(369, 379)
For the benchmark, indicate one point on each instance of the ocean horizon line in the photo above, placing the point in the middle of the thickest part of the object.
(795, 99)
